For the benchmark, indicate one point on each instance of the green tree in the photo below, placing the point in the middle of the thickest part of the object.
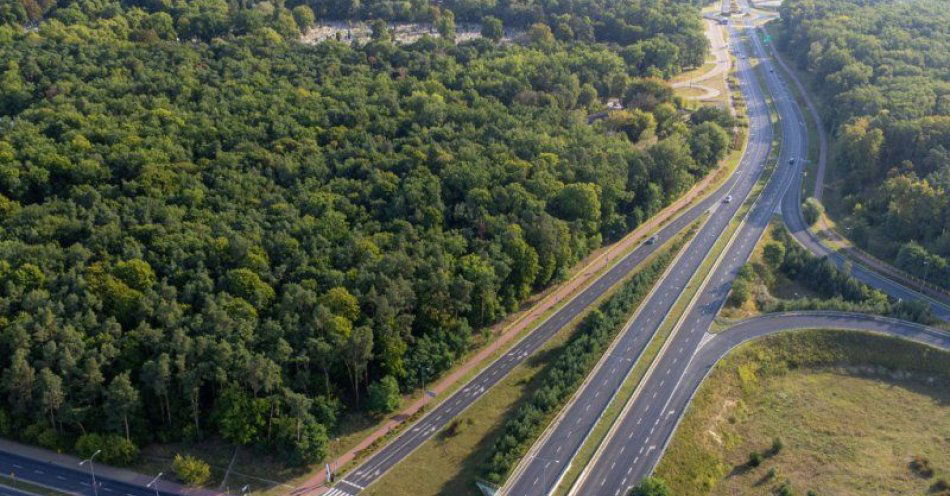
(492, 28)
(774, 253)
(384, 395)
(239, 417)
(122, 401)
(304, 17)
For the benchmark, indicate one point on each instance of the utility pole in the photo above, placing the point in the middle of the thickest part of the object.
(92, 470)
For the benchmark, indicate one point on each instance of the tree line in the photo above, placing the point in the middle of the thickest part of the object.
(574, 361)
(881, 70)
(243, 236)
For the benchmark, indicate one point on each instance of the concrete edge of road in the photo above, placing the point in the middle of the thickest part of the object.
(829, 313)
(575, 487)
(546, 434)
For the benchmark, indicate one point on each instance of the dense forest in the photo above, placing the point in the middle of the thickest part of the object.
(882, 70)
(209, 228)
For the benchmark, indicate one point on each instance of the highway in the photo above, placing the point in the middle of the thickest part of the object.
(644, 436)
(370, 470)
(68, 480)
(650, 417)
(544, 466)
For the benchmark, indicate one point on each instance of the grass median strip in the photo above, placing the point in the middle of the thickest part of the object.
(459, 454)
(636, 375)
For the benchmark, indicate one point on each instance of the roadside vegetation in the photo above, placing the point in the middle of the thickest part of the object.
(879, 71)
(456, 457)
(782, 276)
(817, 412)
(213, 232)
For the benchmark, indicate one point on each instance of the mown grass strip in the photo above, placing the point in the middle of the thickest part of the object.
(448, 463)
(636, 375)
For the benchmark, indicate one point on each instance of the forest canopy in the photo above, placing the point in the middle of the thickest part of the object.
(209, 228)
(883, 69)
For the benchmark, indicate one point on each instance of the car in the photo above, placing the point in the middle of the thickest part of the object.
(652, 239)
(727, 199)
(791, 160)
(771, 70)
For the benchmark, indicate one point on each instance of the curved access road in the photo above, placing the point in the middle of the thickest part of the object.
(714, 347)
(797, 142)
(638, 438)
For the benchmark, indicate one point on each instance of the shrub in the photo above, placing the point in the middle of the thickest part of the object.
(755, 459)
(191, 470)
(812, 210)
(116, 450)
(771, 474)
(921, 466)
(651, 486)
(785, 489)
(777, 446)
(384, 395)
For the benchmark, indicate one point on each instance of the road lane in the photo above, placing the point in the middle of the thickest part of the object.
(550, 458)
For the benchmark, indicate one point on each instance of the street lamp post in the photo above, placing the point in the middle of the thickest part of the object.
(544, 469)
(92, 471)
(154, 483)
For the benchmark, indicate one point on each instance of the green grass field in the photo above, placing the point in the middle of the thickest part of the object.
(851, 419)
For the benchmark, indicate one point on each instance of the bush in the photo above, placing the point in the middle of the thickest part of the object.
(777, 446)
(921, 466)
(785, 489)
(116, 450)
(651, 486)
(755, 459)
(384, 395)
(191, 470)
(812, 210)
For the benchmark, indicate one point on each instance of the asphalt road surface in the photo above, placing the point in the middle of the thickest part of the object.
(550, 457)
(738, 185)
(637, 441)
(643, 435)
(75, 481)
(9, 491)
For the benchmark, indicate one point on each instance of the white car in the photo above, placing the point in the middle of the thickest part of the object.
(728, 199)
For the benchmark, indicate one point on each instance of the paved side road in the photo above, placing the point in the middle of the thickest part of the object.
(714, 347)
(650, 418)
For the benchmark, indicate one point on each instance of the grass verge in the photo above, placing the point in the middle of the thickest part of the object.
(629, 386)
(851, 411)
(454, 458)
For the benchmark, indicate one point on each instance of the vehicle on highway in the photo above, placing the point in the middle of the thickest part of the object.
(652, 239)
(727, 199)
(791, 160)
